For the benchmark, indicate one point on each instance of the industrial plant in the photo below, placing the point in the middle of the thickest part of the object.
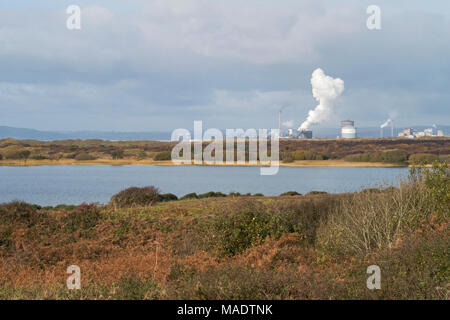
(326, 90)
(412, 133)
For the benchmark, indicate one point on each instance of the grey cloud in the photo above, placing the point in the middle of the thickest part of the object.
(172, 62)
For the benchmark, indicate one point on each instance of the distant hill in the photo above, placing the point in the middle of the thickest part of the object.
(22, 133)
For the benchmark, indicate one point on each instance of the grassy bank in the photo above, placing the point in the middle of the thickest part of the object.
(316, 246)
(292, 152)
(298, 163)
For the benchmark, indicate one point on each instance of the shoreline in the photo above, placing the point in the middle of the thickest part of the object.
(298, 163)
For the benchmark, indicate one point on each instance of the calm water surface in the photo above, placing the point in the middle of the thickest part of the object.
(52, 185)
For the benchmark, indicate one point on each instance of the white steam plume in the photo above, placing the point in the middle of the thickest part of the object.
(384, 125)
(289, 124)
(326, 90)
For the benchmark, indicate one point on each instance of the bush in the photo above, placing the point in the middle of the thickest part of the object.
(437, 181)
(287, 158)
(163, 156)
(84, 156)
(211, 194)
(371, 190)
(39, 157)
(191, 195)
(135, 288)
(18, 212)
(247, 227)
(423, 158)
(238, 282)
(316, 192)
(117, 154)
(290, 193)
(364, 157)
(168, 197)
(1, 157)
(246, 223)
(83, 218)
(16, 153)
(135, 196)
(394, 156)
(370, 221)
(299, 155)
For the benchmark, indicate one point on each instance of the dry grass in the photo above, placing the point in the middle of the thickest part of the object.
(177, 250)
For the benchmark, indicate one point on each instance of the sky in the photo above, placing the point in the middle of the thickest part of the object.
(158, 65)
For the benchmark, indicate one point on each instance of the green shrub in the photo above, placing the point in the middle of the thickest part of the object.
(117, 154)
(364, 157)
(423, 158)
(211, 194)
(376, 220)
(394, 156)
(371, 190)
(39, 157)
(249, 224)
(135, 196)
(82, 219)
(299, 155)
(1, 157)
(18, 212)
(168, 197)
(16, 153)
(135, 288)
(163, 156)
(420, 267)
(241, 282)
(290, 193)
(84, 156)
(192, 195)
(437, 181)
(316, 192)
(141, 155)
(287, 158)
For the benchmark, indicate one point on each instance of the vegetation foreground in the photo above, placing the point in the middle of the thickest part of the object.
(144, 245)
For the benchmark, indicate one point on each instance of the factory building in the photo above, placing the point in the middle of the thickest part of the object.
(348, 130)
(305, 134)
(299, 134)
(412, 133)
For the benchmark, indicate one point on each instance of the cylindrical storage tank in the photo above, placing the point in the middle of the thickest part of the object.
(348, 132)
(347, 123)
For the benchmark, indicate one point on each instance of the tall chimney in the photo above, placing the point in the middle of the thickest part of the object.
(381, 132)
(392, 128)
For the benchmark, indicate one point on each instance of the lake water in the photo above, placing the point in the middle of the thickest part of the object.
(52, 185)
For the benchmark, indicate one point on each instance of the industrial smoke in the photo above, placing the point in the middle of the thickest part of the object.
(384, 125)
(326, 90)
(289, 123)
